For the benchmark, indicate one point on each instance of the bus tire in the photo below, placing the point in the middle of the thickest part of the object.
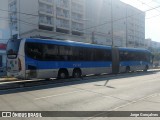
(127, 69)
(77, 73)
(63, 74)
(146, 68)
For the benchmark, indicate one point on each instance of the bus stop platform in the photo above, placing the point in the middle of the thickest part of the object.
(6, 79)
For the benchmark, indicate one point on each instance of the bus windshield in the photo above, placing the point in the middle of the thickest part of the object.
(12, 48)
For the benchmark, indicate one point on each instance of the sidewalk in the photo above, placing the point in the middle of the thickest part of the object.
(141, 109)
(148, 103)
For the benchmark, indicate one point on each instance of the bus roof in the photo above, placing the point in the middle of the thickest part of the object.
(67, 42)
(81, 44)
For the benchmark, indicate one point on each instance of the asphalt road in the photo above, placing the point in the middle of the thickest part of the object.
(135, 92)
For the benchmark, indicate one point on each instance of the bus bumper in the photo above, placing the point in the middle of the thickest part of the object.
(15, 75)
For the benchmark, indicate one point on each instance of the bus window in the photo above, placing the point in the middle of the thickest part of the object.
(13, 48)
(89, 54)
(50, 52)
(34, 50)
(77, 54)
(65, 53)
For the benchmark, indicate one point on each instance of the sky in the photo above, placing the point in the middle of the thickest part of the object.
(152, 27)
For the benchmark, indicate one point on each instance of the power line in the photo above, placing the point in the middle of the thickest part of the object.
(3, 39)
(28, 23)
(107, 22)
(155, 1)
(82, 29)
(153, 8)
(10, 11)
(153, 16)
(150, 7)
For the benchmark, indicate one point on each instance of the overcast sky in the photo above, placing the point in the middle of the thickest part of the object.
(152, 17)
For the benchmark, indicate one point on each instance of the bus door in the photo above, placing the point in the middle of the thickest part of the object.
(33, 55)
(32, 70)
(115, 60)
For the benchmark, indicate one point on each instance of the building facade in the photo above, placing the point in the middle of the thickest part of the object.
(117, 23)
(107, 22)
(61, 19)
(155, 45)
(135, 27)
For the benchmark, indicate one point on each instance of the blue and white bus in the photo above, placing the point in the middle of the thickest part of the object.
(40, 58)
(132, 59)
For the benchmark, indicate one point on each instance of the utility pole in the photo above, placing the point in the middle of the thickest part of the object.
(112, 24)
(11, 27)
(126, 29)
(93, 37)
(19, 27)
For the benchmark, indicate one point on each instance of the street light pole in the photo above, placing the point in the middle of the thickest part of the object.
(11, 28)
(112, 24)
(126, 29)
(93, 37)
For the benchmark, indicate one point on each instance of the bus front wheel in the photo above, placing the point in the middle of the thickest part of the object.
(63, 74)
(77, 73)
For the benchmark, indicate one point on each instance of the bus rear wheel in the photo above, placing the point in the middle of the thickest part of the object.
(77, 73)
(63, 74)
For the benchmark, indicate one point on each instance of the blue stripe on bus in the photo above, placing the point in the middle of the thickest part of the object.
(56, 65)
(133, 63)
(80, 64)
(66, 64)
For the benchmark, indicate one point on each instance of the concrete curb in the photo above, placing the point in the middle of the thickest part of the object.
(8, 79)
(20, 84)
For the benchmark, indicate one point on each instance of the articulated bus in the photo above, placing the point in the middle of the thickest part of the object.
(40, 58)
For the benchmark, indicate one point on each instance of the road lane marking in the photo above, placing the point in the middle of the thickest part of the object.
(124, 105)
(58, 95)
